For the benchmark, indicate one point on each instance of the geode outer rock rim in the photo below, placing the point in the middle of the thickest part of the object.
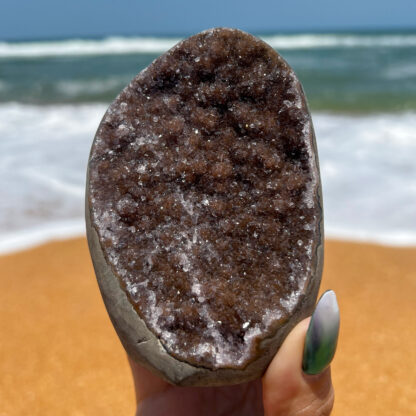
(144, 346)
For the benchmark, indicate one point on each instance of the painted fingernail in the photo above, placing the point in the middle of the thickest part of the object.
(322, 335)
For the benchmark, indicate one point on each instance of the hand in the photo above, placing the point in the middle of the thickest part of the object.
(285, 389)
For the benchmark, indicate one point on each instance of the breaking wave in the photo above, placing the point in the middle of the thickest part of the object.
(155, 45)
(367, 168)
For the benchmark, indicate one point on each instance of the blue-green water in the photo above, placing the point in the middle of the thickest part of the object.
(340, 72)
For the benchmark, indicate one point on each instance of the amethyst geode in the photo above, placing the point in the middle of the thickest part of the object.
(204, 210)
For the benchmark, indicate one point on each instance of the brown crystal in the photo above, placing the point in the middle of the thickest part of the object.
(203, 192)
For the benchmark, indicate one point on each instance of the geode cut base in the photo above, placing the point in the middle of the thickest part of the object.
(204, 211)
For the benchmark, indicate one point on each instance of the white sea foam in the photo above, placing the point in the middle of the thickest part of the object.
(42, 233)
(128, 45)
(369, 176)
(73, 47)
(308, 41)
(43, 158)
(367, 166)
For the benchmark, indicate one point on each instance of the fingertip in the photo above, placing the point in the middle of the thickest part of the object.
(284, 379)
(289, 356)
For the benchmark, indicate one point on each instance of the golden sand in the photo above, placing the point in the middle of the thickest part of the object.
(59, 354)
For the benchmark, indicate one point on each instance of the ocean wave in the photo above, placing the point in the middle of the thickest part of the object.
(340, 41)
(389, 238)
(80, 88)
(156, 45)
(75, 47)
(402, 71)
(42, 233)
(367, 166)
(43, 159)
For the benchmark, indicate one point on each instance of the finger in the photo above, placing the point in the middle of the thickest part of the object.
(237, 400)
(156, 397)
(146, 383)
(298, 380)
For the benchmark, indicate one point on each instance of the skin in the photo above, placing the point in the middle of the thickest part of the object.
(284, 390)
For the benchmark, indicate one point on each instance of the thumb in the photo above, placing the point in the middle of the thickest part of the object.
(298, 380)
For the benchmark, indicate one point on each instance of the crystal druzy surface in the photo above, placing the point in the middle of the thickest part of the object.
(203, 192)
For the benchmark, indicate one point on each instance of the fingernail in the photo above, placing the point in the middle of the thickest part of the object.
(322, 335)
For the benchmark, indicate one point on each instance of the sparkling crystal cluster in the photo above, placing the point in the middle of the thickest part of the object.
(203, 188)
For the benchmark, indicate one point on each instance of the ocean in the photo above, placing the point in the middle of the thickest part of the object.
(361, 89)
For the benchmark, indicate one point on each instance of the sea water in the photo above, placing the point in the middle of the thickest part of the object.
(361, 88)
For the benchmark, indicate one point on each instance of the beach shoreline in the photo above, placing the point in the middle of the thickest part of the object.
(60, 354)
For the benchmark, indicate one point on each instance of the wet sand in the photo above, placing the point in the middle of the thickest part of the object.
(59, 354)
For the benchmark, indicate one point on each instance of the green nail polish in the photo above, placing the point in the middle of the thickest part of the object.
(322, 336)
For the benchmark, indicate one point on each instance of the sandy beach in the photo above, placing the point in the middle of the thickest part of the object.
(61, 356)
